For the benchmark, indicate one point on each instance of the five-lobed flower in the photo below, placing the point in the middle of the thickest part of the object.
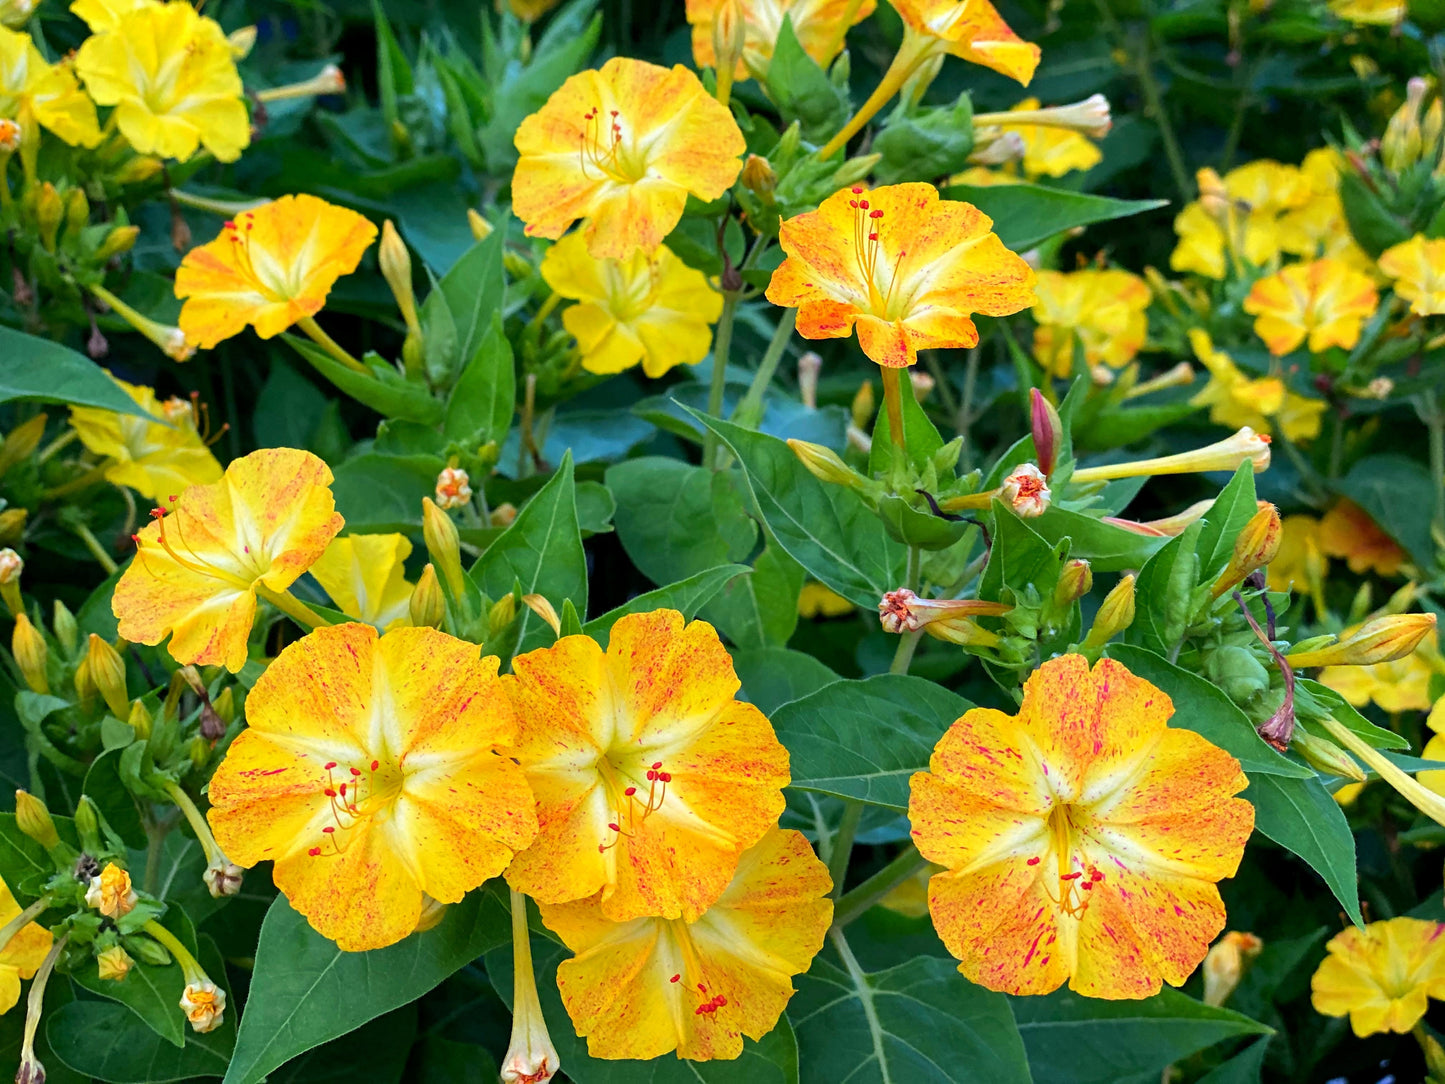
(156, 456)
(818, 25)
(1381, 976)
(33, 91)
(365, 576)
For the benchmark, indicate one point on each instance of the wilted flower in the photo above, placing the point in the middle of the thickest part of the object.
(204, 1004)
(110, 892)
(453, 488)
(1026, 491)
(114, 964)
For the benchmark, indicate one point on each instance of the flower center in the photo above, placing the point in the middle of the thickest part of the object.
(867, 252)
(353, 794)
(1076, 879)
(272, 282)
(181, 551)
(631, 807)
(603, 151)
(629, 295)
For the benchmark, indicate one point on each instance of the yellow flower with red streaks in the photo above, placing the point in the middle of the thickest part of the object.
(818, 25)
(904, 267)
(1082, 837)
(269, 268)
(1348, 531)
(374, 773)
(199, 566)
(650, 778)
(1324, 301)
(33, 91)
(970, 29)
(649, 986)
(1382, 976)
(24, 954)
(622, 148)
(1105, 310)
(157, 457)
(365, 575)
(650, 308)
(1418, 268)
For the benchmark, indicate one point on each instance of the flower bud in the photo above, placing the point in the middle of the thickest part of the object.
(12, 524)
(432, 913)
(1383, 639)
(1254, 548)
(110, 892)
(137, 171)
(31, 655)
(1325, 756)
(1026, 491)
(1245, 446)
(32, 818)
(77, 211)
(204, 1004)
(545, 610)
(107, 670)
(49, 211)
(729, 35)
(9, 137)
(1225, 964)
(453, 488)
(864, 403)
(758, 176)
(1002, 148)
(809, 366)
(242, 41)
(114, 964)
(503, 515)
(428, 604)
(1167, 527)
(480, 227)
(225, 706)
(1401, 144)
(855, 169)
(945, 619)
(825, 464)
(21, 441)
(87, 827)
(1116, 614)
(62, 622)
(923, 384)
(1090, 116)
(440, 535)
(140, 719)
(148, 951)
(1076, 579)
(502, 613)
(223, 878)
(1048, 431)
(396, 269)
(11, 566)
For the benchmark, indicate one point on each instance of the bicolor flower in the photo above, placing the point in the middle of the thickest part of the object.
(820, 27)
(904, 267)
(651, 779)
(172, 78)
(155, 458)
(650, 309)
(24, 953)
(1082, 837)
(271, 268)
(1325, 302)
(622, 147)
(35, 92)
(200, 565)
(649, 986)
(1418, 268)
(373, 773)
(365, 575)
(970, 29)
(1382, 976)
(110, 892)
(1103, 309)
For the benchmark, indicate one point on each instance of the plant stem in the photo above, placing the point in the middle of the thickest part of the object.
(96, 549)
(224, 208)
(1154, 103)
(292, 607)
(910, 53)
(89, 478)
(893, 403)
(721, 347)
(852, 905)
(197, 822)
(903, 655)
(842, 849)
(750, 411)
(155, 840)
(334, 349)
(1434, 418)
(189, 967)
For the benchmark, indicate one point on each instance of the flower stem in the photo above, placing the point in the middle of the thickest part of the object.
(1414, 792)
(333, 349)
(750, 411)
(224, 208)
(854, 904)
(30, 1067)
(292, 607)
(721, 347)
(724, 84)
(189, 967)
(893, 402)
(842, 849)
(96, 549)
(195, 820)
(1154, 106)
(530, 1054)
(903, 655)
(908, 57)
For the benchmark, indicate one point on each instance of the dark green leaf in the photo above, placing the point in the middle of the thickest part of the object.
(760, 610)
(1025, 215)
(475, 290)
(773, 676)
(383, 389)
(686, 596)
(35, 368)
(375, 1053)
(379, 493)
(104, 786)
(1232, 509)
(1399, 496)
(481, 405)
(801, 90)
(1302, 816)
(1106, 547)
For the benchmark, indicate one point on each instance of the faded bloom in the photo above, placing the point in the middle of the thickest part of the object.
(1057, 142)
(453, 488)
(903, 611)
(10, 134)
(1026, 491)
(158, 456)
(204, 1004)
(1382, 976)
(223, 878)
(11, 565)
(114, 964)
(110, 892)
(1325, 301)
(1418, 268)
(1225, 964)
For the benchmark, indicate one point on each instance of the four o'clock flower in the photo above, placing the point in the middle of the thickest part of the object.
(1382, 976)
(904, 267)
(1245, 446)
(1325, 302)
(820, 27)
(1026, 491)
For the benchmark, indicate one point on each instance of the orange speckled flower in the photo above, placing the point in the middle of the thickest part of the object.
(1347, 531)
(1383, 975)
(622, 147)
(1082, 837)
(818, 25)
(199, 567)
(270, 268)
(971, 29)
(650, 778)
(643, 988)
(908, 269)
(369, 772)
(1325, 301)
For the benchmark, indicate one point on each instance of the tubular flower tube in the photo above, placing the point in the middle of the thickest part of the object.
(22, 954)
(1167, 527)
(171, 340)
(155, 457)
(622, 148)
(1382, 976)
(650, 778)
(203, 1002)
(819, 25)
(1081, 839)
(944, 619)
(371, 773)
(199, 566)
(1383, 639)
(1413, 791)
(365, 576)
(904, 267)
(530, 1058)
(648, 986)
(1244, 446)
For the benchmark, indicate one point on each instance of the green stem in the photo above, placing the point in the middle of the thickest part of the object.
(842, 849)
(854, 904)
(96, 549)
(721, 347)
(1154, 106)
(223, 208)
(155, 841)
(309, 325)
(292, 607)
(189, 967)
(75, 485)
(913, 570)
(1435, 424)
(750, 411)
(910, 54)
(195, 820)
(903, 655)
(65, 439)
(1337, 445)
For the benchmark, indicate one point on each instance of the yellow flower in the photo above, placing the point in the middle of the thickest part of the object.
(1434, 749)
(199, 567)
(1238, 213)
(1418, 268)
(270, 268)
(34, 92)
(114, 964)
(1259, 402)
(204, 1004)
(1300, 562)
(622, 148)
(155, 458)
(907, 268)
(1317, 227)
(1398, 685)
(816, 600)
(365, 575)
(652, 309)
(169, 72)
(983, 177)
(1105, 310)
(648, 986)
(1347, 531)
(1082, 838)
(370, 772)
(970, 29)
(23, 955)
(818, 25)
(1325, 301)
(1369, 12)
(650, 778)
(1382, 976)
(110, 892)
(1050, 151)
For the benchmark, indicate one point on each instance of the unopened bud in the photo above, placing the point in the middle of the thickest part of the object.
(32, 818)
(396, 269)
(242, 41)
(9, 136)
(809, 366)
(453, 488)
(503, 515)
(1003, 148)
(864, 403)
(11, 566)
(49, 212)
(114, 964)
(480, 227)
(62, 623)
(1167, 527)
(12, 525)
(1325, 756)
(1026, 491)
(107, 670)
(148, 951)
(225, 705)
(545, 610)
(1076, 580)
(440, 534)
(923, 384)
(21, 442)
(140, 719)
(31, 655)
(1255, 548)
(516, 264)
(758, 176)
(1116, 614)
(432, 913)
(1401, 144)
(729, 35)
(855, 169)
(111, 893)
(428, 604)
(138, 170)
(119, 241)
(1383, 639)
(824, 464)
(1048, 431)
(77, 211)
(502, 613)
(1225, 964)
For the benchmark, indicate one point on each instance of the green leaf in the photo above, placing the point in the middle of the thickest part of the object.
(393, 72)
(475, 289)
(376, 1053)
(1332, 703)
(774, 676)
(1302, 816)
(35, 368)
(1018, 558)
(928, 142)
(1202, 707)
(481, 405)
(801, 90)
(24, 865)
(1371, 223)
(1025, 215)
(1399, 496)
(832, 736)
(541, 551)
(920, 1022)
(381, 493)
(826, 529)
(760, 610)
(384, 390)
(686, 596)
(1088, 1041)
(104, 786)
(920, 436)
(595, 508)
(306, 991)
(152, 993)
(1106, 547)
(1227, 516)
(1246, 1067)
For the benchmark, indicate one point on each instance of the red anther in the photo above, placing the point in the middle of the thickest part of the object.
(853, 204)
(651, 777)
(171, 497)
(328, 829)
(1034, 861)
(874, 213)
(1096, 876)
(329, 793)
(872, 237)
(356, 771)
(863, 203)
(1071, 876)
(1087, 885)
(613, 827)
(666, 777)
(330, 764)
(630, 791)
(228, 225)
(375, 764)
(135, 538)
(343, 790)
(674, 978)
(614, 112)
(658, 764)
(857, 191)
(158, 513)
(314, 852)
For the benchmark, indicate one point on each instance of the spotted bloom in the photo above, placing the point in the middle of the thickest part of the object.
(35, 92)
(1418, 268)
(649, 986)
(1347, 531)
(818, 25)
(1103, 310)
(199, 566)
(156, 458)
(1382, 976)
(373, 773)
(1261, 402)
(970, 29)
(908, 269)
(365, 576)
(1323, 301)
(1082, 838)
(622, 147)
(650, 778)
(270, 268)
(648, 309)
(170, 74)
(23, 955)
